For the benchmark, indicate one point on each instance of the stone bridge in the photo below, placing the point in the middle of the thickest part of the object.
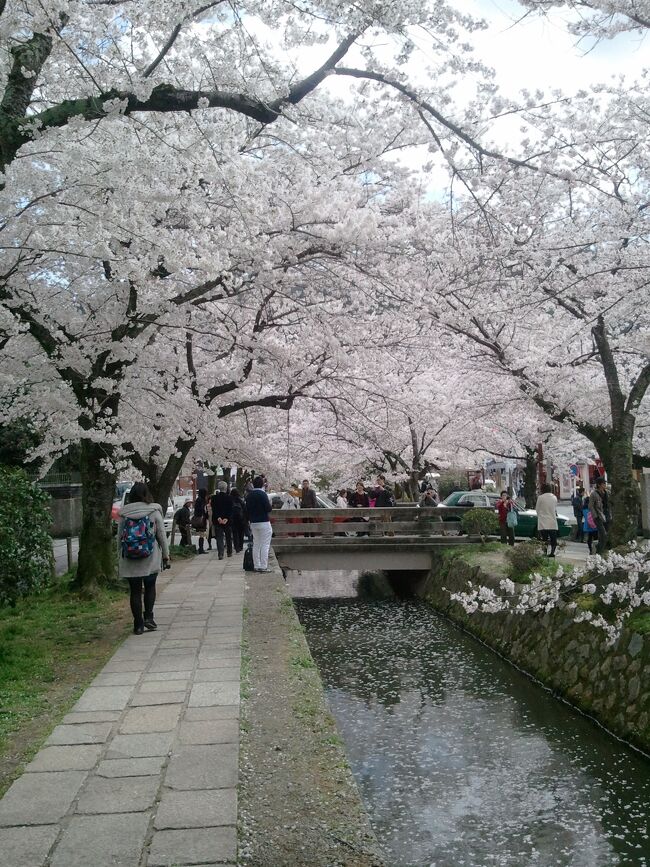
(398, 538)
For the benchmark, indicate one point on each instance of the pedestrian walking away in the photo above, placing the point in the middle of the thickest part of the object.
(222, 514)
(258, 509)
(546, 508)
(576, 501)
(142, 552)
(507, 518)
(239, 520)
(200, 518)
(598, 503)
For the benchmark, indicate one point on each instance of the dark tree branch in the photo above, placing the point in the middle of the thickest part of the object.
(164, 98)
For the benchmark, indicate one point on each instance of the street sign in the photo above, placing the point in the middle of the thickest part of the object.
(573, 469)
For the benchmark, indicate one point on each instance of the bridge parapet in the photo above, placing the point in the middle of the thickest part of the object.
(354, 523)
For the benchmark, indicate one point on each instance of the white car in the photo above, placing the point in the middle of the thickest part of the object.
(168, 517)
(277, 498)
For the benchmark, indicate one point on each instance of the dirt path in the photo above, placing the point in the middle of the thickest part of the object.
(299, 805)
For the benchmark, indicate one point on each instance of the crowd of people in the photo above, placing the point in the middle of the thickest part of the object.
(229, 519)
(592, 514)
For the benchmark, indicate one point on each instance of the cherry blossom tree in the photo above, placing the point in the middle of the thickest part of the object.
(618, 584)
(601, 18)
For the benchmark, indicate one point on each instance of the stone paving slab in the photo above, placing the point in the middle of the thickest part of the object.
(73, 758)
(24, 847)
(118, 794)
(85, 733)
(102, 841)
(151, 719)
(144, 699)
(224, 731)
(104, 698)
(144, 769)
(203, 767)
(192, 846)
(40, 799)
(140, 745)
(214, 693)
(201, 809)
(90, 716)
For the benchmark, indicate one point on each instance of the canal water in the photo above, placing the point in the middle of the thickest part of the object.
(461, 760)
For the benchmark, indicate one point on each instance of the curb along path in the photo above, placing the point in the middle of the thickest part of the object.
(143, 771)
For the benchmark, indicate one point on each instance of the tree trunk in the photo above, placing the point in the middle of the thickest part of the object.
(96, 563)
(161, 483)
(530, 478)
(625, 498)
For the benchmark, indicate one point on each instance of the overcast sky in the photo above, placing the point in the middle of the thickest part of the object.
(540, 52)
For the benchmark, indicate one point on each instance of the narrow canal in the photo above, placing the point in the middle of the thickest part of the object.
(460, 759)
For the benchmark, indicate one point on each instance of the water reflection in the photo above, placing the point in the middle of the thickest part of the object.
(461, 760)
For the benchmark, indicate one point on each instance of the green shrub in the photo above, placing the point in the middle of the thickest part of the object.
(182, 552)
(480, 522)
(524, 559)
(26, 559)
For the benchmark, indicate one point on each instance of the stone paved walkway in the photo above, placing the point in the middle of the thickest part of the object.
(143, 770)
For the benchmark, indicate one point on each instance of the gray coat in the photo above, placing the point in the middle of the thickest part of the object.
(146, 565)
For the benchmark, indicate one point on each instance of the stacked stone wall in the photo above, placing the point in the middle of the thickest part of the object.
(611, 684)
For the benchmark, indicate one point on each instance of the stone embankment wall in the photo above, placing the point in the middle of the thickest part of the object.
(611, 684)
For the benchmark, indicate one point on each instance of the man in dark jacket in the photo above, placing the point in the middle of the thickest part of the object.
(222, 512)
(258, 508)
(383, 497)
(576, 502)
(308, 496)
(183, 520)
(598, 509)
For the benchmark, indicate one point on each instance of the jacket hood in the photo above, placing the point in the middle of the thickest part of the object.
(139, 510)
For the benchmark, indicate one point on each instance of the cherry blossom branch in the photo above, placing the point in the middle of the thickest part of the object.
(16, 129)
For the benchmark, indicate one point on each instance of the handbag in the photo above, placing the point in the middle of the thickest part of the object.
(199, 522)
(590, 522)
(511, 518)
(248, 559)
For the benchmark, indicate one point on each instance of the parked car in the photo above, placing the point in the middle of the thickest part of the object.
(526, 518)
(277, 498)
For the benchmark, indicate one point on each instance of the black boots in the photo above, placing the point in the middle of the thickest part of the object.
(201, 544)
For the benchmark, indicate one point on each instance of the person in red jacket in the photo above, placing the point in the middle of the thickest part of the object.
(505, 505)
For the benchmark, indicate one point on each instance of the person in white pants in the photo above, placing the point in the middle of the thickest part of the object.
(262, 534)
(258, 509)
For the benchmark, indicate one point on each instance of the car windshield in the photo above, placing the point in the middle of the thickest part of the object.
(325, 502)
(451, 499)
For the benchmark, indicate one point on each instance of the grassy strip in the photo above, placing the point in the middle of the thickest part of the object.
(51, 645)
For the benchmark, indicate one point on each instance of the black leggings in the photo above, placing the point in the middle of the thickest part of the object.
(135, 584)
(549, 537)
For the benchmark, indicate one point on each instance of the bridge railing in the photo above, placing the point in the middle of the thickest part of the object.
(405, 521)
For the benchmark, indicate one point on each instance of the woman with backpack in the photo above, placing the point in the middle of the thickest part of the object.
(238, 520)
(142, 551)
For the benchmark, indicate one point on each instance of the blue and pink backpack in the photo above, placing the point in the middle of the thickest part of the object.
(138, 537)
